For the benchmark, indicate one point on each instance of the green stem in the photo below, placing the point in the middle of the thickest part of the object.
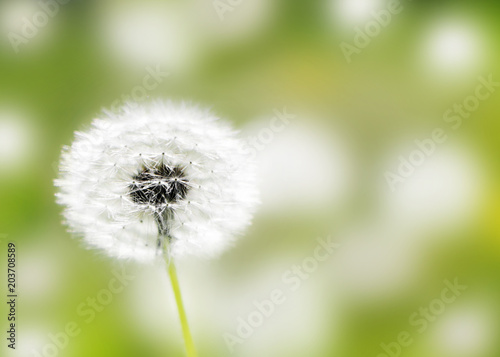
(188, 340)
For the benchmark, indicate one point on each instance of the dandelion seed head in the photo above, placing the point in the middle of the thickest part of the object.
(158, 186)
(154, 169)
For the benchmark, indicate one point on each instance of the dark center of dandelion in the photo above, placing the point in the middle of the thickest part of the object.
(159, 185)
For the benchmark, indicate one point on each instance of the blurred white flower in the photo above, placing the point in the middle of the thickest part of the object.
(34, 338)
(443, 193)
(162, 173)
(299, 319)
(41, 274)
(28, 25)
(223, 20)
(350, 13)
(303, 164)
(13, 12)
(453, 47)
(149, 33)
(376, 263)
(467, 331)
(17, 142)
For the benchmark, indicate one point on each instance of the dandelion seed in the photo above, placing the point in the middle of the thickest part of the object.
(159, 180)
(128, 168)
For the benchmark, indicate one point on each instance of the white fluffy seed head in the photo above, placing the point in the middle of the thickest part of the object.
(157, 171)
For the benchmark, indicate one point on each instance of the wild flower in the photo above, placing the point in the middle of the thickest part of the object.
(163, 179)
(157, 176)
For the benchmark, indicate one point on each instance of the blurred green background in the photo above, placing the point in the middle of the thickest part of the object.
(322, 175)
